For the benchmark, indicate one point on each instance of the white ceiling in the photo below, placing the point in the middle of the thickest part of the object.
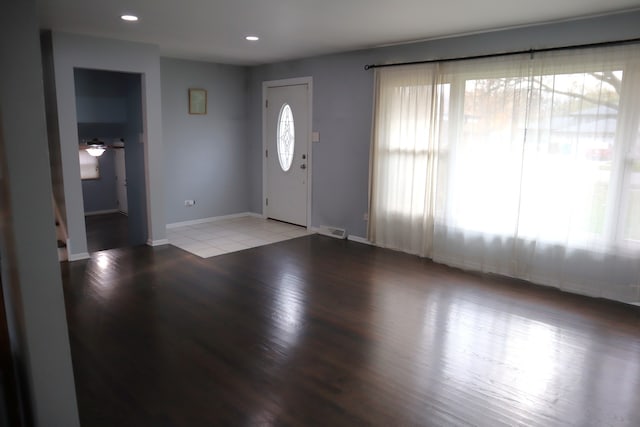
(214, 30)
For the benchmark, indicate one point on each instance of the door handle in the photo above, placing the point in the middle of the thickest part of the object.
(303, 166)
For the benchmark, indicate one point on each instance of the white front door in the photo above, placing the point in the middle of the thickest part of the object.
(121, 181)
(287, 155)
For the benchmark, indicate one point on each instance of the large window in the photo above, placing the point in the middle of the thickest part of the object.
(498, 164)
(545, 155)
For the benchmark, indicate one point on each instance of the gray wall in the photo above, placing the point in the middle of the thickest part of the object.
(134, 151)
(205, 155)
(100, 96)
(31, 282)
(343, 103)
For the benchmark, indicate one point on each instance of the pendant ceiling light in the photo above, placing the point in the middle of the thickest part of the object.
(95, 147)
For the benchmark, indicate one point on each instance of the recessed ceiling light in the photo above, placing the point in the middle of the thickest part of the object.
(252, 38)
(130, 18)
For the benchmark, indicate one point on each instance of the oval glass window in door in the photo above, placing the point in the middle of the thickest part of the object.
(286, 137)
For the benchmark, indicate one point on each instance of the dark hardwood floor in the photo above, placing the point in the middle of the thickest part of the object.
(322, 332)
(107, 231)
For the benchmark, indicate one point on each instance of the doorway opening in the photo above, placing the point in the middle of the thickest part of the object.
(109, 113)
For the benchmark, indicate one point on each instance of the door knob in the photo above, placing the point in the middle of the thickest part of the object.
(303, 166)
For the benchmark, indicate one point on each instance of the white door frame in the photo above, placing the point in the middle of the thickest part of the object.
(279, 83)
(119, 178)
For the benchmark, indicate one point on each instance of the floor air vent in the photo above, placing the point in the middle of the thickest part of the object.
(338, 233)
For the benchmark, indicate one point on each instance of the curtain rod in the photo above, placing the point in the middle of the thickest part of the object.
(496, 55)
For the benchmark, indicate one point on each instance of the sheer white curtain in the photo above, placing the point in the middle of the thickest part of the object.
(528, 167)
(403, 162)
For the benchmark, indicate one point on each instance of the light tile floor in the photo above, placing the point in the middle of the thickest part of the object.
(229, 235)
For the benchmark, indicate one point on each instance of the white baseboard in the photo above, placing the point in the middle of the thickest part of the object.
(108, 211)
(359, 239)
(158, 242)
(213, 219)
(78, 257)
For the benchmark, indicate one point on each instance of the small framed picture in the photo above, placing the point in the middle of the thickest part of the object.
(197, 101)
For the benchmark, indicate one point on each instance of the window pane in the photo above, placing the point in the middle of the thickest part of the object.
(568, 165)
(89, 166)
(536, 157)
(286, 137)
(632, 229)
(487, 160)
(408, 151)
(631, 193)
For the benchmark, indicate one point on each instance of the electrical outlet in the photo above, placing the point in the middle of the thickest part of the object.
(189, 202)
